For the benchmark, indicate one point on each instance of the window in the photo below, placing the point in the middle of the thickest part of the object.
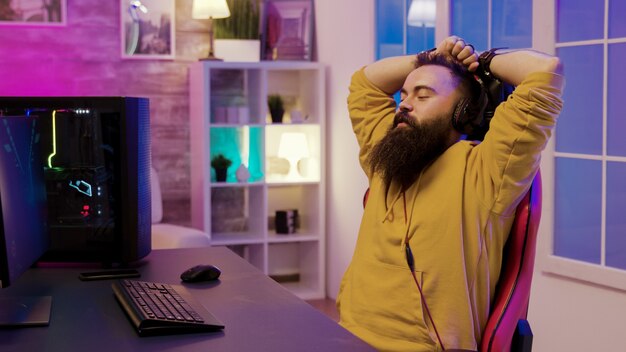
(394, 36)
(590, 151)
(493, 24)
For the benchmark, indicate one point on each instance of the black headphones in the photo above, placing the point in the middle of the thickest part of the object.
(472, 116)
(468, 115)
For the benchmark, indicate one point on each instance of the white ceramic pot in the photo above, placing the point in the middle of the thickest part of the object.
(238, 50)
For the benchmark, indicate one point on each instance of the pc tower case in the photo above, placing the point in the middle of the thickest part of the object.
(96, 162)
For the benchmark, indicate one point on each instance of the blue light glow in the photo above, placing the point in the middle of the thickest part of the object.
(82, 187)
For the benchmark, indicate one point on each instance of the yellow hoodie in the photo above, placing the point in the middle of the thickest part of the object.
(459, 213)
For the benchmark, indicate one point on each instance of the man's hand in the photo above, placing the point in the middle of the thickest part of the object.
(459, 50)
(389, 74)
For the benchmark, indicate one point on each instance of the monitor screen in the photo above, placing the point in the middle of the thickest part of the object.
(23, 211)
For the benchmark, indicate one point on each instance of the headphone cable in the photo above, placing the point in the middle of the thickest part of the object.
(411, 263)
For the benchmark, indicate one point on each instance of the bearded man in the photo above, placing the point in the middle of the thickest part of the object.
(440, 207)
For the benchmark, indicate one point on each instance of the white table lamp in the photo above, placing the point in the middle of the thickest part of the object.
(422, 13)
(210, 9)
(293, 147)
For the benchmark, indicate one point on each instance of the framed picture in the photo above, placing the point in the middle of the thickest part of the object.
(33, 12)
(147, 28)
(287, 30)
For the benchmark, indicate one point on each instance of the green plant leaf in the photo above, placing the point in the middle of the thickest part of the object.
(243, 22)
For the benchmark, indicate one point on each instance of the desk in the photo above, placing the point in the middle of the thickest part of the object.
(259, 314)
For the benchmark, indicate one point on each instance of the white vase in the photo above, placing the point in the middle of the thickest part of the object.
(238, 50)
(242, 173)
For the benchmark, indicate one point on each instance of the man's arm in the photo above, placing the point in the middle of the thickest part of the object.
(389, 74)
(521, 127)
(514, 66)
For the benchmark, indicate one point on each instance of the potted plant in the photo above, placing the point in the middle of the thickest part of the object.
(277, 109)
(237, 36)
(220, 163)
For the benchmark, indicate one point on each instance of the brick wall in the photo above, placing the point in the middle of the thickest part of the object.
(84, 58)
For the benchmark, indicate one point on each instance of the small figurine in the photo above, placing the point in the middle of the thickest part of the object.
(242, 173)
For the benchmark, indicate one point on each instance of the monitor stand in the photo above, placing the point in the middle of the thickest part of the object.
(25, 311)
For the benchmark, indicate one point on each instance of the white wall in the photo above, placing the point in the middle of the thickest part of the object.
(345, 42)
(573, 316)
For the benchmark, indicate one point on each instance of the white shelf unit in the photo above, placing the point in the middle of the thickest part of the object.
(229, 115)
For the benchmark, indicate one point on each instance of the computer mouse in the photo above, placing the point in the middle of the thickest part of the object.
(200, 273)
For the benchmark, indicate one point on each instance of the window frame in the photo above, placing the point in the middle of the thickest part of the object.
(544, 23)
(544, 39)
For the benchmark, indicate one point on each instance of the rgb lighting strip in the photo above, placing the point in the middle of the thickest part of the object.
(54, 138)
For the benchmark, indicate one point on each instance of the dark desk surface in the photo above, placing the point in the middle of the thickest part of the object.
(259, 314)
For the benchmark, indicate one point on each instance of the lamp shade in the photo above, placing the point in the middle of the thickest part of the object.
(205, 9)
(293, 145)
(422, 13)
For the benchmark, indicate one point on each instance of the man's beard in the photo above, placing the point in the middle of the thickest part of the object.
(404, 152)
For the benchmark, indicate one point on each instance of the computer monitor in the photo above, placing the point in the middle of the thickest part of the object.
(74, 187)
(95, 159)
(23, 217)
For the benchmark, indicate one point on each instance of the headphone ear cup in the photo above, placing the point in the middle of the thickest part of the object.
(468, 115)
(462, 116)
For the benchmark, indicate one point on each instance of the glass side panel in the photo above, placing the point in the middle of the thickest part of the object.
(615, 215)
(579, 20)
(469, 21)
(579, 128)
(617, 15)
(578, 197)
(512, 24)
(616, 117)
(389, 28)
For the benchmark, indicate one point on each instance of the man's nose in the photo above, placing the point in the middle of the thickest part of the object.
(404, 106)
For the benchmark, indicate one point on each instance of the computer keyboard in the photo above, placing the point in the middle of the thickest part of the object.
(161, 309)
